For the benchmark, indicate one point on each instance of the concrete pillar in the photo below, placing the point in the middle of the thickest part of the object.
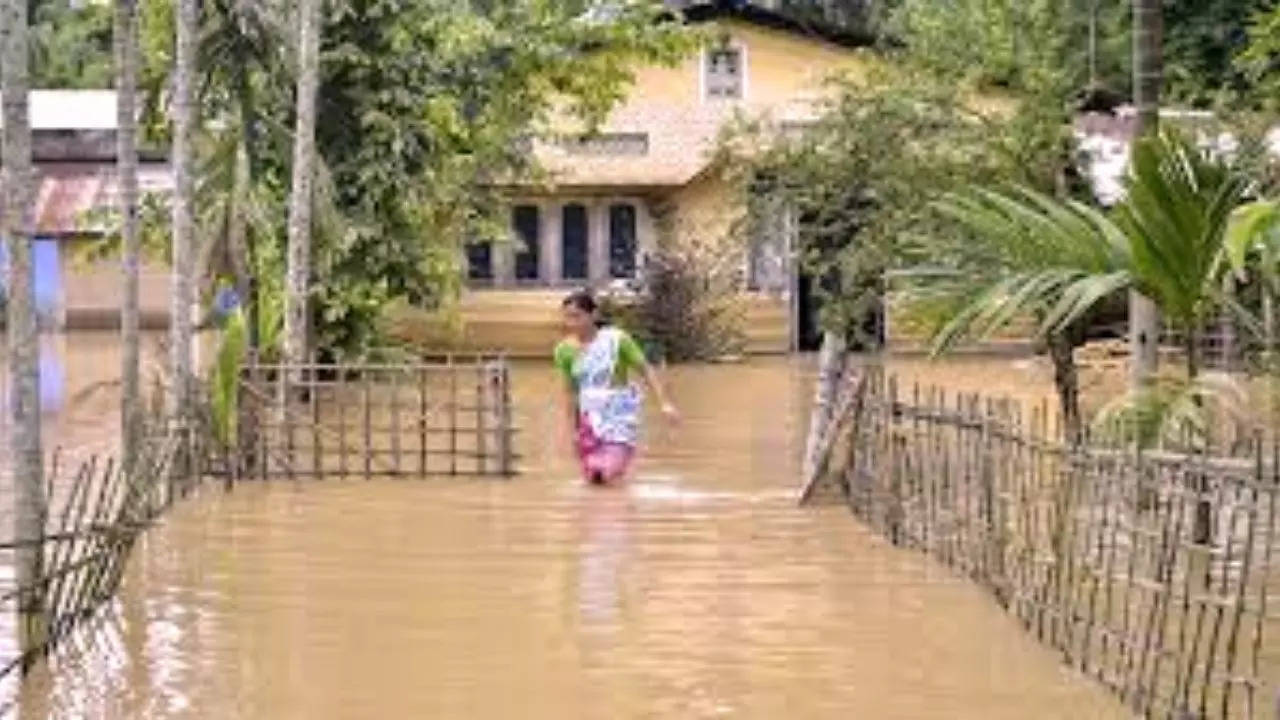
(549, 235)
(598, 241)
(504, 258)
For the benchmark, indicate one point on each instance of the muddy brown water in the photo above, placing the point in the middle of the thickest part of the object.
(698, 590)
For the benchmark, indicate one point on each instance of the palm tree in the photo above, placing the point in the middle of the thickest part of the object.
(1060, 260)
(1144, 319)
(298, 272)
(183, 282)
(126, 53)
(30, 504)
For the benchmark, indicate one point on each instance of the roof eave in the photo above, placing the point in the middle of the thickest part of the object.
(746, 12)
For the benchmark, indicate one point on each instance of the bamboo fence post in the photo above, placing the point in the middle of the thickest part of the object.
(367, 420)
(61, 553)
(1182, 678)
(286, 417)
(264, 432)
(506, 466)
(1136, 690)
(423, 420)
(1268, 543)
(453, 415)
(1201, 545)
(481, 413)
(317, 451)
(395, 422)
(342, 392)
(1219, 610)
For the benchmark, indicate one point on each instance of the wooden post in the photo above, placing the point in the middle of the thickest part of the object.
(453, 415)
(317, 451)
(481, 408)
(286, 396)
(368, 423)
(423, 429)
(264, 432)
(507, 467)
(341, 391)
(395, 421)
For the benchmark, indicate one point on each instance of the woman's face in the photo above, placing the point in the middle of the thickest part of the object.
(576, 320)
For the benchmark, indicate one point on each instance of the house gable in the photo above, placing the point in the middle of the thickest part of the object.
(663, 133)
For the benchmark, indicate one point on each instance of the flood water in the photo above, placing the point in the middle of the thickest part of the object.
(698, 590)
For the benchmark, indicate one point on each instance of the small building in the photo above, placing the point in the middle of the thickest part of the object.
(648, 173)
(74, 157)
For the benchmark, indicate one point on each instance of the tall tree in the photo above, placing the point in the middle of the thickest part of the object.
(298, 269)
(23, 330)
(183, 283)
(1144, 319)
(126, 54)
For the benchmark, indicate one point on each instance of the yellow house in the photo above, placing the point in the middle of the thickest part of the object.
(593, 224)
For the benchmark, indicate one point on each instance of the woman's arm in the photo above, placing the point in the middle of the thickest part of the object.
(656, 387)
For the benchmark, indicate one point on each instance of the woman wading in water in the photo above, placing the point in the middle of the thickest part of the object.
(598, 364)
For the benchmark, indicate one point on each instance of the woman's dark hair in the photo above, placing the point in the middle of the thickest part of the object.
(582, 300)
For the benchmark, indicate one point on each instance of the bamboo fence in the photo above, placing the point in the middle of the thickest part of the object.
(1150, 572)
(451, 417)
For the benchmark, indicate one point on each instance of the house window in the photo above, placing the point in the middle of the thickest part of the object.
(724, 73)
(573, 242)
(622, 241)
(525, 223)
(480, 261)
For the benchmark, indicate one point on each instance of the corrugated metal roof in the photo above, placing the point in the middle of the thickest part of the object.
(66, 192)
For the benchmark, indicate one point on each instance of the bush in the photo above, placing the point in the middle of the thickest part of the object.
(689, 306)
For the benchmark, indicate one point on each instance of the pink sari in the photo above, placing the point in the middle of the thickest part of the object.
(600, 460)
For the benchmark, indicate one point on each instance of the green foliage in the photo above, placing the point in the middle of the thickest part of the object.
(1202, 38)
(1019, 44)
(70, 46)
(1061, 259)
(224, 383)
(421, 109)
(864, 211)
(1028, 255)
(1175, 214)
(1025, 44)
(1174, 412)
(690, 306)
(1259, 61)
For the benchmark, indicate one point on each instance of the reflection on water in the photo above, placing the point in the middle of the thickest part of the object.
(698, 590)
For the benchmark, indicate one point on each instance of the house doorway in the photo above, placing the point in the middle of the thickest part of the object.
(865, 334)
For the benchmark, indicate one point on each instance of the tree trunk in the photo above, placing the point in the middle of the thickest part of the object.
(126, 54)
(23, 330)
(831, 364)
(237, 230)
(1067, 382)
(1144, 317)
(297, 291)
(181, 350)
(1202, 533)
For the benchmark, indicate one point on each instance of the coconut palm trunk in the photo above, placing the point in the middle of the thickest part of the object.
(298, 269)
(1144, 318)
(181, 345)
(30, 504)
(126, 54)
